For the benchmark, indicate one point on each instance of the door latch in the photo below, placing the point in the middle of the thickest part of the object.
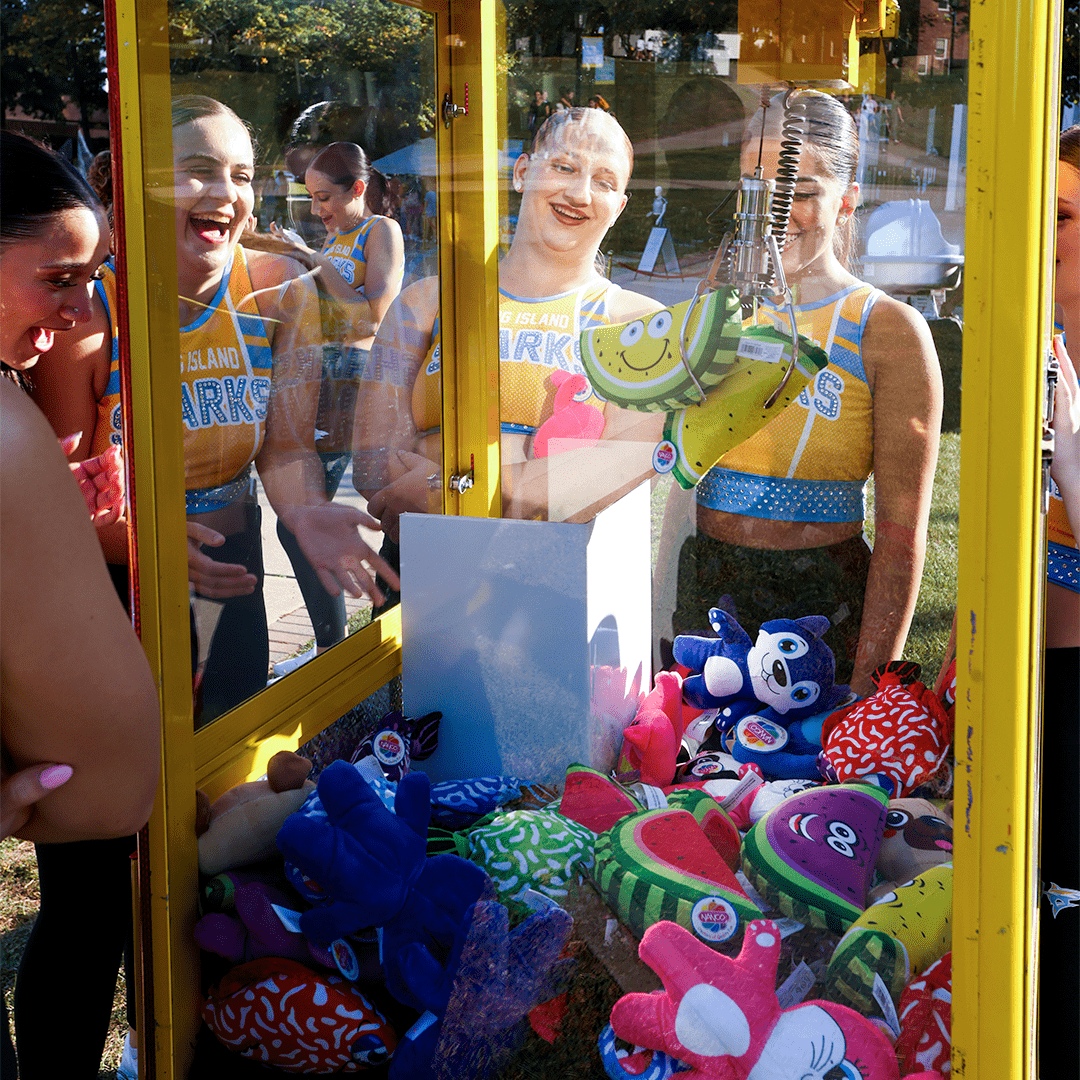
(1051, 374)
(450, 111)
(459, 483)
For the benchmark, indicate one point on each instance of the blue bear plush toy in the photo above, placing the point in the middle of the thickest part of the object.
(774, 692)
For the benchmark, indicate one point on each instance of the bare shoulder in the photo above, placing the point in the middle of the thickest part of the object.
(23, 433)
(897, 335)
(898, 346)
(387, 228)
(624, 305)
(269, 269)
(420, 300)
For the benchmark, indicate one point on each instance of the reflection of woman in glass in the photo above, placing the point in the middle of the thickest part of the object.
(249, 357)
(573, 187)
(359, 271)
(77, 688)
(780, 519)
(1059, 948)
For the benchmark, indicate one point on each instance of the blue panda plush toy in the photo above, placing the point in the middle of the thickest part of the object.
(775, 693)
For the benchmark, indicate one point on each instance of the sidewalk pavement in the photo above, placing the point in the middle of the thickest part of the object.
(287, 617)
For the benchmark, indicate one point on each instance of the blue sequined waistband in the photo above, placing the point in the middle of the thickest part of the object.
(779, 499)
(505, 427)
(1063, 566)
(203, 500)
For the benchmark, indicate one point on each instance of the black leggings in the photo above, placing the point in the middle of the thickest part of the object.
(327, 612)
(1059, 937)
(238, 657)
(82, 933)
(754, 585)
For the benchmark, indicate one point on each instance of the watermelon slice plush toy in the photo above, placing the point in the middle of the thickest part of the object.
(659, 864)
(813, 856)
(594, 800)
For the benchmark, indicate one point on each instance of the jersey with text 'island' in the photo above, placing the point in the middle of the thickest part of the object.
(225, 370)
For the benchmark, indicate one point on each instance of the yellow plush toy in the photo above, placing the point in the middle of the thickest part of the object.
(897, 938)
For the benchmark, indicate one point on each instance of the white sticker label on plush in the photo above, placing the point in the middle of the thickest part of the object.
(796, 986)
(345, 958)
(750, 781)
(289, 919)
(714, 920)
(664, 457)
(750, 891)
(653, 797)
(760, 735)
(787, 927)
(772, 352)
(885, 1004)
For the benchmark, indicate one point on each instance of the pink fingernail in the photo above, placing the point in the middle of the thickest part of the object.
(54, 776)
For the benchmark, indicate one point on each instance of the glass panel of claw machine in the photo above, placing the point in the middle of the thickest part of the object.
(306, 175)
(733, 266)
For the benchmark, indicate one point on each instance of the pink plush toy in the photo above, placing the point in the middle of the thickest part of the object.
(651, 743)
(571, 419)
(721, 1016)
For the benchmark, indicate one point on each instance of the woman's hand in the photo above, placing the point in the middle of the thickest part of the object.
(298, 249)
(1065, 468)
(215, 580)
(327, 534)
(100, 479)
(408, 492)
(20, 791)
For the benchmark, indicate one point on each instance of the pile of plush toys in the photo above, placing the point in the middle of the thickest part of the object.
(764, 835)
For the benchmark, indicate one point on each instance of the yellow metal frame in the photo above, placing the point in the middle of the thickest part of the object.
(1010, 150)
(236, 747)
(1008, 250)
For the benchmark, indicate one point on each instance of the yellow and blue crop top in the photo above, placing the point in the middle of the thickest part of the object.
(226, 366)
(811, 462)
(536, 336)
(346, 251)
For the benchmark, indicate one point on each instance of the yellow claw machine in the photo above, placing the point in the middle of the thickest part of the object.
(408, 339)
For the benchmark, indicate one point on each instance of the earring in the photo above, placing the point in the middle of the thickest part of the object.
(517, 185)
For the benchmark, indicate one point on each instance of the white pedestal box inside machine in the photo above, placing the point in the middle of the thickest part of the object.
(532, 638)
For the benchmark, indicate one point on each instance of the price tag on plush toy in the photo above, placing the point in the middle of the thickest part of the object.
(796, 986)
(885, 1004)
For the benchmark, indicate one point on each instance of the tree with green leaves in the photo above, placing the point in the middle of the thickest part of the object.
(54, 54)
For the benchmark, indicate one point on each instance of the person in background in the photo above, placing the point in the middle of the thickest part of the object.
(779, 521)
(1059, 931)
(359, 271)
(431, 214)
(539, 111)
(78, 695)
(249, 339)
(573, 188)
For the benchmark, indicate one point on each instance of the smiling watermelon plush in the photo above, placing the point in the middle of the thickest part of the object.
(812, 856)
(659, 864)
